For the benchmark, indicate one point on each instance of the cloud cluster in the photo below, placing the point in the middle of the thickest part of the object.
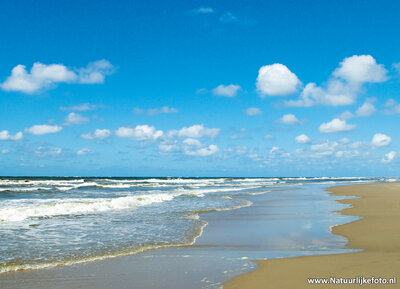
(195, 131)
(5, 135)
(140, 132)
(97, 134)
(42, 76)
(345, 83)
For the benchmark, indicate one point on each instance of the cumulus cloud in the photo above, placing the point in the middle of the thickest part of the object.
(251, 111)
(289, 119)
(196, 131)
(336, 125)
(155, 111)
(345, 83)
(392, 107)
(43, 129)
(194, 147)
(230, 90)
(140, 133)
(380, 140)
(47, 76)
(82, 107)
(389, 157)
(83, 151)
(303, 139)
(277, 80)
(5, 135)
(359, 69)
(75, 118)
(97, 134)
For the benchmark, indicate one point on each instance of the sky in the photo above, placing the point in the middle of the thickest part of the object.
(199, 88)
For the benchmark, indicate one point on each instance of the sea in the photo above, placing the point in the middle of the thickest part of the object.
(53, 221)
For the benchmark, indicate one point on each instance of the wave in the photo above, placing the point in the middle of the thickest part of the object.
(80, 206)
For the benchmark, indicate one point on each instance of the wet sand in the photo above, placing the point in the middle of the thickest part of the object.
(377, 234)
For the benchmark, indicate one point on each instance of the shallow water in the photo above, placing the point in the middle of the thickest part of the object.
(52, 221)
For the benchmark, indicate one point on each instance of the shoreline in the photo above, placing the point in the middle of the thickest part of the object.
(375, 233)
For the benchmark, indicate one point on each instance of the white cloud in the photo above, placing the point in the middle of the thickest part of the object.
(277, 80)
(336, 125)
(268, 137)
(389, 157)
(344, 85)
(380, 140)
(367, 109)
(336, 93)
(43, 129)
(196, 131)
(203, 10)
(43, 76)
(82, 107)
(359, 69)
(83, 151)
(251, 111)
(95, 72)
(392, 107)
(4, 151)
(75, 118)
(140, 132)
(289, 119)
(5, 135)
(302, 139)
(230, 90)
(202, 152)
(45, 152)
(98, 134)
(155, 111)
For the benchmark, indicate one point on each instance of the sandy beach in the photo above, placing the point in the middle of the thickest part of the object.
(377, 234)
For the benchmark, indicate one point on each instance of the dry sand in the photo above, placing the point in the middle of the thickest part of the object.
(377, 233)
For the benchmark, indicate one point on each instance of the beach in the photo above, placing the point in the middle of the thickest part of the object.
(284, 218)
(377, 234)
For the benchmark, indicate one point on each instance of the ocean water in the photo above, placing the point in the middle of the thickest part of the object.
(46, 222)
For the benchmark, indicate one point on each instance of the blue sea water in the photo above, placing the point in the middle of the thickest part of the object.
(59, 221)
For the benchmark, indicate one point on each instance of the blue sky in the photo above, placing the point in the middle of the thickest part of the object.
(199, 88)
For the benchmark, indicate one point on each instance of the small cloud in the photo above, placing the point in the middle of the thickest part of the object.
(336, 125)
(389, 157)
(277, 80)
(392, 107)
(196, 131)
(5, 135)
(289, 119)
(4, 151)
(82, 107)
(203, 10)
(227, 17)
(367, 109)
(43, 129)
(83, 151)
(140, 133)
(97, 134)
(252, 111)
(155, 111)
(380, 140)
(268, 137)
(303, 139)
(75, 119)
(230, 90)
(47, 152)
